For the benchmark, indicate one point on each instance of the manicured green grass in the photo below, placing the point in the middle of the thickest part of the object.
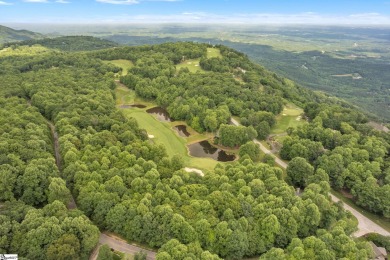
(381, 221)
(213, 53)
(290, 117)
(163, 132)
(173, 143)
(192, 65)
(124, 64)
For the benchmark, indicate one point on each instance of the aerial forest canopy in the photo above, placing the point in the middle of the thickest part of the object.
(124, 183)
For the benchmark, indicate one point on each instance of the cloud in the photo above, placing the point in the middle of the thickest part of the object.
(118, 2)
(46, 1)
(131, 2)
(5, 3)
(35, 1)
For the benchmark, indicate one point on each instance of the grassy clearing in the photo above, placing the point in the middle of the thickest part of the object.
(24, 51)
(290, 117)
(192, 65)
(213, 53)
(381, 221)
(173, 143)
(163, 131)
(124, 64)
(125, 96)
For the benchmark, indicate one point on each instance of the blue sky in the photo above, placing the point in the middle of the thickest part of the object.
(196, 11)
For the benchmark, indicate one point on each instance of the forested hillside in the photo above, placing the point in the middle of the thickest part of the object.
(67, 43)
(10, 35)
(125, 183)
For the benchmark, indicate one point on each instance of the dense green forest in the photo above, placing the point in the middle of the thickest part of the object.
(125, 183)
(348, 74)
(67, 43)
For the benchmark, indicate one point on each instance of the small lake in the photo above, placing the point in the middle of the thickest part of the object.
(131, 106)
(160, 113)
(205, 149)
(182, 130)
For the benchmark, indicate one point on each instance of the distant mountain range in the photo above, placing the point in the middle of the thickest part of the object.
(11, 35)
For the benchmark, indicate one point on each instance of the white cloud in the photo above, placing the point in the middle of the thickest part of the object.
(35, 1)
(47, 1)
(131, 2)
(119, 2)
(5, 3)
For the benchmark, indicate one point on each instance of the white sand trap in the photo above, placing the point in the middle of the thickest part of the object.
(151, 136)
(197, 171)
(197, 65)
(284, 114)
(189, 62)
(298, 118)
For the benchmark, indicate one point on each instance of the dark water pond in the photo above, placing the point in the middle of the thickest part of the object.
(138, 106)
(205, 149)
(182, 130)
(160, 113)
(130, 106)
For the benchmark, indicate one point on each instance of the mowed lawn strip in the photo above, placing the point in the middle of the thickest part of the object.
(289, 117)
(164, 134)
(162, 131)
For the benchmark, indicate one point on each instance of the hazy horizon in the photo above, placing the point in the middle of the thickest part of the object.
(332, 12)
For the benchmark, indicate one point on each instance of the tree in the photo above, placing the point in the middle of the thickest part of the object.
(105, 253)
(251, 149)
(299, 171)
(58, 191)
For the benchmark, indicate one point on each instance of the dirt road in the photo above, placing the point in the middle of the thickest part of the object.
(365, 225)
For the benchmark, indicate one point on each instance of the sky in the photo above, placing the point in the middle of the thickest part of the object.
(335, 12)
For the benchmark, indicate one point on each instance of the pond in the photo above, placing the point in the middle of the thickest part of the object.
(182, 130)
(205, 149)
(130, 106)
(160, 113)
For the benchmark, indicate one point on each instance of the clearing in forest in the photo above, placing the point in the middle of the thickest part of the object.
(192, 65)
(163, 132)
(124, 64)
(213, 53)
(291, 116)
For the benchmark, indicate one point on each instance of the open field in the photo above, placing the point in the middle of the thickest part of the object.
(24, 51)
(213, 53)
(192, 65)
(290, 117)
(124, 64)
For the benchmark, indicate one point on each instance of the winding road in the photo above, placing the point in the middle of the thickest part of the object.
(365, 225)
(122, 246)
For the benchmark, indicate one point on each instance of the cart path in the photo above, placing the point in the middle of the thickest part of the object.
(122, 246)
(365, 225)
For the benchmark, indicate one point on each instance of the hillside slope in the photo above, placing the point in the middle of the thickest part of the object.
(10, 35)
(70, 43)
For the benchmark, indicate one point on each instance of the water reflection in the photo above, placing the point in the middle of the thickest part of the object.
(205, 149)
(160, 113)
(182, 130)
